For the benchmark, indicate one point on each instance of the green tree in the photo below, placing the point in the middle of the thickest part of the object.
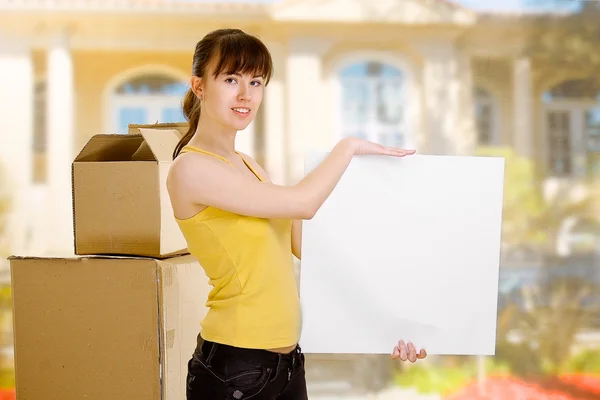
(567, 42)
(555, 311)
(527, 218)
(585, 207)
(523, 203)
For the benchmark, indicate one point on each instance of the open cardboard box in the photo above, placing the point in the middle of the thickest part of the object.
(182, 127)
(120, 201)
(100, 328)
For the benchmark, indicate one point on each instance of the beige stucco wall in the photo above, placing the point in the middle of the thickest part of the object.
(95, 70)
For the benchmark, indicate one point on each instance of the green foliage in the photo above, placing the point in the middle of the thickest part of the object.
(586, 362)
(569, 42)
(7, 378)
(445, 379)
(547, 325)
(520, 358)
(523, 202)
(5, 297)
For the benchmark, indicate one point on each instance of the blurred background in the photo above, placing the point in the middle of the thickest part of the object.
(513, 78)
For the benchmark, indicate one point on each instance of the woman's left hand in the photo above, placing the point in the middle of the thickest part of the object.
(407, 352)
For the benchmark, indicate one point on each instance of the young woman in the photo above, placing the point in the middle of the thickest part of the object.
(243, 229)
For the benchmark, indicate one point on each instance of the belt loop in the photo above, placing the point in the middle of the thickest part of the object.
(211, 353)
(278, 362)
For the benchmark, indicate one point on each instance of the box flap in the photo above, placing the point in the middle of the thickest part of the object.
(110, 147)
(76, 257)
(162, 142)
(143, 153)
(134, 129)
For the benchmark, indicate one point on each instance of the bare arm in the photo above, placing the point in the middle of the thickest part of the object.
(296, 241)
(208, 181)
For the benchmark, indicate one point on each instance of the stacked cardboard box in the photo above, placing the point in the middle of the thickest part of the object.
(119, 319)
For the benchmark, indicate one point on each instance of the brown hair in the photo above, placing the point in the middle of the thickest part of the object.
(230, 51)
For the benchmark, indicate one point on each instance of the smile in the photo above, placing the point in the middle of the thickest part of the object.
(241, 110)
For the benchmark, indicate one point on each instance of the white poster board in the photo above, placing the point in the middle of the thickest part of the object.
(404, 248)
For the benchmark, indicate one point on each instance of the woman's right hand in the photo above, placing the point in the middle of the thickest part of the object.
(364, 147)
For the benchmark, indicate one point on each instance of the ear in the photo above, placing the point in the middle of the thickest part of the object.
(197, 86)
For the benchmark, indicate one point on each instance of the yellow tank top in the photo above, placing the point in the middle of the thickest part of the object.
(254, 301)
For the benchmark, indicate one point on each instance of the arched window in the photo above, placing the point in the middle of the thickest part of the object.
(572, 128)
(147, 98)
(486, 117)
(372, 102)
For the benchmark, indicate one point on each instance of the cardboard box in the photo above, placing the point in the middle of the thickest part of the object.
(182, 127)
(120, 201)
(100, 328)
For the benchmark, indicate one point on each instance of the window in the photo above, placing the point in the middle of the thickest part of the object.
(149, 98)
(592, 138)
(372, 103)
(572, 128)
(559, 142)
(485, 116)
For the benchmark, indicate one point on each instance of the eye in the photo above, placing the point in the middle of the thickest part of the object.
(230, 79)
(256, 83)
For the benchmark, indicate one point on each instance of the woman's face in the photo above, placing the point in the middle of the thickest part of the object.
(231, 100)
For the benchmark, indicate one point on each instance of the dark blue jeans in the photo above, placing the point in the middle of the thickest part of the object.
(221, 372)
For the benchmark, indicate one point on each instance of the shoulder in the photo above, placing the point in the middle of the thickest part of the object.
(196, 165)
(255, 165)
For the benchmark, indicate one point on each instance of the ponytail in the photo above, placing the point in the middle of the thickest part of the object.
(191, 111)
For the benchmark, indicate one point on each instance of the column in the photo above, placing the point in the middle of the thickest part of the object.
(466, 106)
(60, 144)
(305, 90)
(522, 103)
(447, 87)
(16, 139)
(274, 121)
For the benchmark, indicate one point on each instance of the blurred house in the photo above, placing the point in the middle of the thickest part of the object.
(418, 73)
(427, 74)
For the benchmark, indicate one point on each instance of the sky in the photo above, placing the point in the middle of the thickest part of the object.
(487, 5)
(519, 5)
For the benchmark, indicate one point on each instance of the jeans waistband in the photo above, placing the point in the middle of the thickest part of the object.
(211, 349)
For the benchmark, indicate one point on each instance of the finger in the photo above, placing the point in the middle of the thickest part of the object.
(401, 152)
(412, 352)
(395, 353)
(422, 354)
(402, 348)
(388, 151)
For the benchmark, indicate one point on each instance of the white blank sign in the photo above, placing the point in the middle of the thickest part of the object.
(404, 248)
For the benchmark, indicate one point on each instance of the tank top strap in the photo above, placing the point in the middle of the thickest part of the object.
(194, 149)
(260, 178)
(191, 148)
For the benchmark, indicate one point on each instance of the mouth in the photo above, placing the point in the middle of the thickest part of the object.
(241, 110)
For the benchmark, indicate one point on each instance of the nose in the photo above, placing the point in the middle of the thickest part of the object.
(244, 93)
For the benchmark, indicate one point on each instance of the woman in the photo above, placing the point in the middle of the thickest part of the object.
(243, 229)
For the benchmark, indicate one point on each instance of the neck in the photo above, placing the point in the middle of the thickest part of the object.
(214, 137)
